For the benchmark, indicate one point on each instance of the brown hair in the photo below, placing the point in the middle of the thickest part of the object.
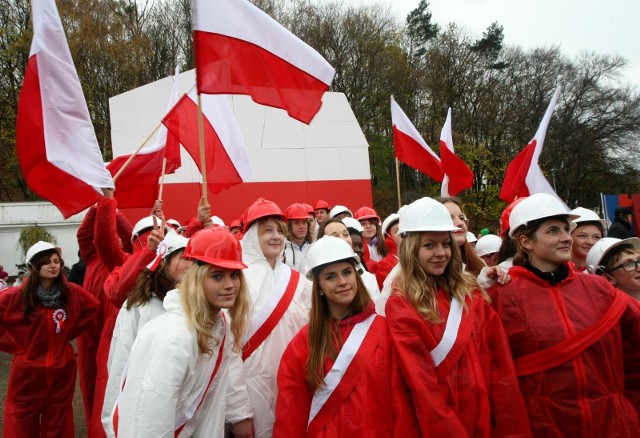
(323, 337)
(326, 222)
(29, 288)
(308, 238)
(150, 282)
(380, 245)
(616, 254)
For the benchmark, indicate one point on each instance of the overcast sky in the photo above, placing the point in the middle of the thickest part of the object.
(603, 26)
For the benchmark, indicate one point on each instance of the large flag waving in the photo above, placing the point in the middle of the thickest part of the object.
(410, 147)
(239, 49)
(55, 140)
(137, 185)
(227, 162)
(523, 176)
(458, 176)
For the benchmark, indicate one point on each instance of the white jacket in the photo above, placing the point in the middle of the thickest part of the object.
(167, 375)
(371, 284)
(295, 256)
(261, 368)
(128, 324)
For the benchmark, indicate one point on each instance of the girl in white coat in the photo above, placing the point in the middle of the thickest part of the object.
(180, 379)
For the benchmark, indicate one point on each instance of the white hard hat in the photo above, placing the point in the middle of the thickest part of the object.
(603, 247)
(171, 243)
(425, 214)
(488, 245)
(389, 220)
(39, 247)
(174, 222)
(335, 211)
(350, 222)
(471, 237)
(217, 221)
(537, 206)
(143, 224)
(326, 250)
(586, 215)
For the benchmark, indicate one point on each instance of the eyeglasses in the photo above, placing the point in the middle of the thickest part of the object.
(629, 266)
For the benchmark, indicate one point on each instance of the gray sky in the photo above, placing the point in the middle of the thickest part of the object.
(602, 26)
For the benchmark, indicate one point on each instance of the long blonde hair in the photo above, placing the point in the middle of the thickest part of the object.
(420, 288)
(198, 311)
(322, 338)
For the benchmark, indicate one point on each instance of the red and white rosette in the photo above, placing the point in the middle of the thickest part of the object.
(58, 317)
(160, 252)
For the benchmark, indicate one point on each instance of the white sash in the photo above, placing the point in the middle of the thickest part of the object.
(335, 374)
(441, 351)
(274, 298)
(188, 413)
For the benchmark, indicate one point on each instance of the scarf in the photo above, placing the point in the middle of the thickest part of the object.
(50, 298)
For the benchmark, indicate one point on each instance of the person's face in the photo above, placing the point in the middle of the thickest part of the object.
(490, 259)
(321, 215)
(299, 229)
(550, 246)
(178, 266)
(343, 215)
(626, 281)
(221, 287)
(435, 252)
(339, 230)
(584, 237)
(338, 283)
(271, 238)
(51, 269)
(312, 223)
(393, 231)
(459, 220)
(357, 245)
(368, 228)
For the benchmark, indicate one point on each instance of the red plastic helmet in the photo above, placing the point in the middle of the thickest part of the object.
(310, 209)
(504, 217)
(235, 224)
(215, 246)
(322, 205)
(364, 213)
(259, 209)
(296, 211)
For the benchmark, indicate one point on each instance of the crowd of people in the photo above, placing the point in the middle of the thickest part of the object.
(319, 321)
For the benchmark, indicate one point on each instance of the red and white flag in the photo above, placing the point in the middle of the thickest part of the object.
(410, 147)
(239, 49)
(458, 176)
(137, 185)
(227, 162)
(55, 140)
(523, 176)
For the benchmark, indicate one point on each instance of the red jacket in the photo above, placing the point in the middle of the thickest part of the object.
(473, 392)
(366, 411)
(43, 369)
(388, 262)
(596, 393)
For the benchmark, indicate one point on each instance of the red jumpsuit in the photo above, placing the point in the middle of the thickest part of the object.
(595, 393)
(366, 411)
(388, 262)
(473, 392)
(43, 370)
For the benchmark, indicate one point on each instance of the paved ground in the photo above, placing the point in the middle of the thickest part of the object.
(5, 362)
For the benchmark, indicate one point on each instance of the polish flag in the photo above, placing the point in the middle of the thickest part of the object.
(227, 162)
(457, 175)
(239, 49)
(523, 176)
(137, 185)
(55, 140)
(410, 147)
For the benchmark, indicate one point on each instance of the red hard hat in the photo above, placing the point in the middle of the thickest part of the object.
(215, 246)
(259, 209)
(296, 211)
(364, 213)
(320, 205)
(504, 217)
(310, 209)
(235, 224)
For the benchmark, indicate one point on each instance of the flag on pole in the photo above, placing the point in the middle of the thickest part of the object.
(523, 176)
(55, 140)
(410, 147)
(227, 162)
(458, 176)
(239, 49)
(137, 185)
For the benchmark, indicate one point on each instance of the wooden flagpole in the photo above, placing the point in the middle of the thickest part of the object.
(164, 168)
(203, 164)
(126, 163)
(398, 183)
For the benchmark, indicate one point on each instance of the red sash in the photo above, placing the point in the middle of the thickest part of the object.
(278, 312)
(566, 350)
(358, 365)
